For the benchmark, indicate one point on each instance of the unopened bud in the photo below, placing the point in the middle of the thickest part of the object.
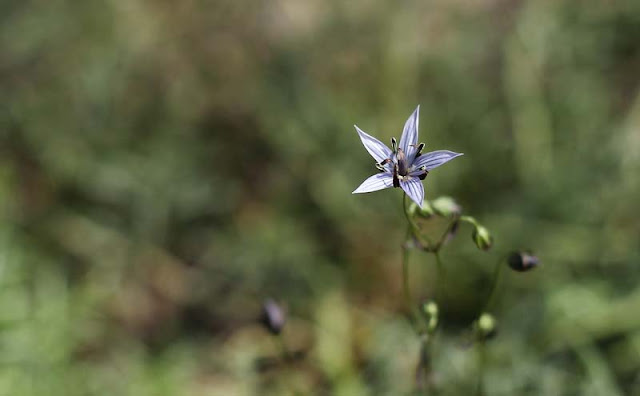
(486, 326)
(273, 317)
(425, 211)
(446, 206)
(482, 238)
(522, 261)
(413, 209)
(430, 312)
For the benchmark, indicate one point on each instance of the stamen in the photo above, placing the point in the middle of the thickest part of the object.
(403, 169)
(420, 147)
(396, 181)
(394, 144)
(380, 165)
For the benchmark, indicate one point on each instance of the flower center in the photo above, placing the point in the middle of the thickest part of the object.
(403, 166)
(398, 165)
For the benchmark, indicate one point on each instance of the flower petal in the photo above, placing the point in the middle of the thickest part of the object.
(414, 189)
(376, 182)
(378, 150)
(434, 159)
(409, 138)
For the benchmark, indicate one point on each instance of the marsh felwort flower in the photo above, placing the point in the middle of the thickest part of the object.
(403, 165)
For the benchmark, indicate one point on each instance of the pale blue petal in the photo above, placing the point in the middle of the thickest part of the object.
(378, 150)
(376, 182)
(409, 138)
(434, 159)
(414, 189)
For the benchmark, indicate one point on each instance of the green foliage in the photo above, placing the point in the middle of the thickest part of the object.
(167, 166)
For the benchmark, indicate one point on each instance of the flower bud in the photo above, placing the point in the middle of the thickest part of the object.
(486, 326)
(522, 261)
(425, 211)
(482, 238)
(446, 206)
(430, 311)
(413, 208)
(273, 317)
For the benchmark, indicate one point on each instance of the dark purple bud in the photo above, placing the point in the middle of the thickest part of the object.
(273, 317)
(522, 261)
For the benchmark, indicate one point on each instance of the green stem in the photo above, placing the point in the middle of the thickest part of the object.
(405, 274)
(425, 383)
(445, 234)
(497, 275)
(469, 219)
(404, 210)
(439, 265)
(481, 357)
(413, 314)
(284, 351)
(416, 319)
(415, 230)
(440, 274)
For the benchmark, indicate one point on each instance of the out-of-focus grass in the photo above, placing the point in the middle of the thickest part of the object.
(165, 166)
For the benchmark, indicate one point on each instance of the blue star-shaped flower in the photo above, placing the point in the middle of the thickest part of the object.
(403, 165)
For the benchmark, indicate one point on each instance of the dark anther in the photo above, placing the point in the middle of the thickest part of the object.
(380, 165)
(396, 181)
(424, 175)
(394, 144)
(419, 151)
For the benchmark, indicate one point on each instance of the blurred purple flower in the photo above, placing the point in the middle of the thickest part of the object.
(273, 316)
(403, 165)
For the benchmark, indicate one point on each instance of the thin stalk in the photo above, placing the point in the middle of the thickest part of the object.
(497, 276)
(445, 235)
(416, 319)
(424, 381)
(415, 230)
(481, 355)
(440, 274)
(284, 351)
(469, 219)
(439, 265)
(405, 274)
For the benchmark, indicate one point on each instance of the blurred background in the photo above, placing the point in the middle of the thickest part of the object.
(167, 166)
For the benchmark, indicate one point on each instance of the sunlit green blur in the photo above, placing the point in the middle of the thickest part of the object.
(167, 166)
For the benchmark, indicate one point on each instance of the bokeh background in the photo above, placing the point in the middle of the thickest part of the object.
(166, 166)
